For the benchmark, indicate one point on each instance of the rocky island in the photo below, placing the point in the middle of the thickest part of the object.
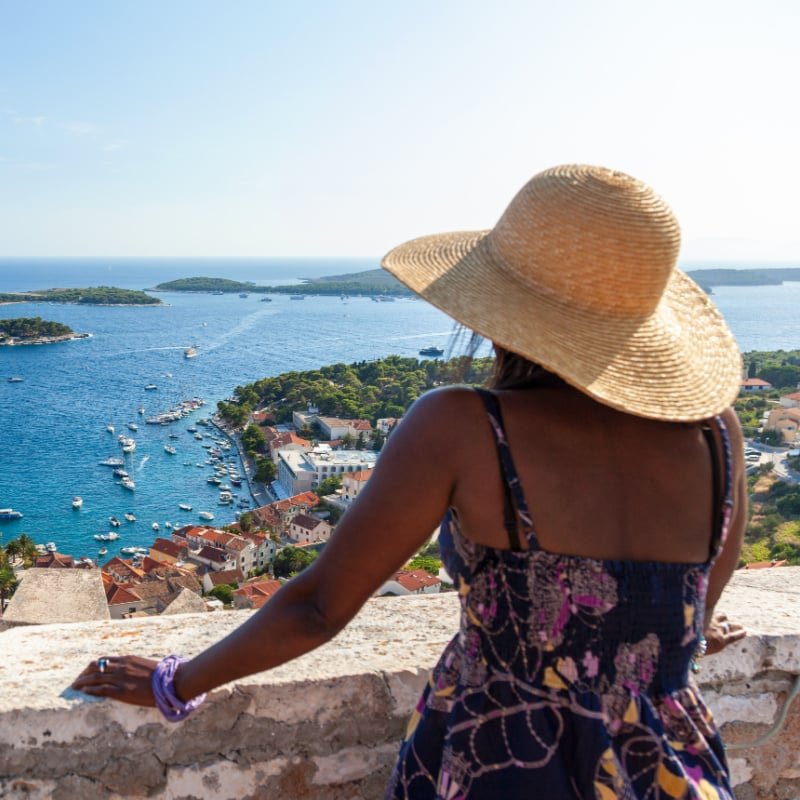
(92, 295)
(371, 283)
(35, 330)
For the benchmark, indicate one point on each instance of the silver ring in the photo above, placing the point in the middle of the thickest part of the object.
(102, 664)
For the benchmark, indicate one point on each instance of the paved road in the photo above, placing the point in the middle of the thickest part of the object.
(777, 457)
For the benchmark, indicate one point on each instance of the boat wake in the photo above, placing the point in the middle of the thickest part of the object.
(244, 325)
(142, 463)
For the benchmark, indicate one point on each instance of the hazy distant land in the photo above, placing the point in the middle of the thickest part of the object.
(92, 295)
(369, 282)
(768, 276)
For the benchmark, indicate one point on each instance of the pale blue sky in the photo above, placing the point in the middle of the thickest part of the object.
(342, 128)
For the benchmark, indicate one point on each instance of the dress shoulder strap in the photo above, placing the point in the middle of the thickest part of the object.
(515, 507)
(722, 475)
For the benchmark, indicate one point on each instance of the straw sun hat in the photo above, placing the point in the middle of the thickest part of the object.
(579, 276)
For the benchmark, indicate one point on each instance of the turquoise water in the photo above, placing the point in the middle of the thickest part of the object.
(53, 424)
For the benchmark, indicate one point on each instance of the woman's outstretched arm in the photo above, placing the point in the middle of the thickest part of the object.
(400, 507)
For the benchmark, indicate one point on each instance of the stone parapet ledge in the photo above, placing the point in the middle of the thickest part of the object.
(329, 724)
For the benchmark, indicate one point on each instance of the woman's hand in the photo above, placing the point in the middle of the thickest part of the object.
(720, 633)
(125, 678)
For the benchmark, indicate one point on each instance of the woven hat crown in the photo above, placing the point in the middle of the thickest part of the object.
(590, 237)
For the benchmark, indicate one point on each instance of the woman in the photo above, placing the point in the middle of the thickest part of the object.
(593, 504)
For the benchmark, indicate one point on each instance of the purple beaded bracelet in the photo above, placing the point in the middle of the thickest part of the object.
(163, 682)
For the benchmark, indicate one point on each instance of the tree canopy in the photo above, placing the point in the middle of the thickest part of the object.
(363, 390)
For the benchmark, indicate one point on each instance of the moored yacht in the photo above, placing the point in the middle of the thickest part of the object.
(206, 515)
(130, 517)
(184, 507)
(127, 483)
(77, 502)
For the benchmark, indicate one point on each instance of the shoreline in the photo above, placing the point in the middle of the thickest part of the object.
(44, 340)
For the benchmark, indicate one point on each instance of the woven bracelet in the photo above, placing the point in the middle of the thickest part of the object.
(163, 682)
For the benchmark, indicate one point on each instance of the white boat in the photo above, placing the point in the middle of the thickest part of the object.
(170, 449)
(112, 536)
(140, 409)
(155, 526)
(128, 551)
(110, 428)
(184, 507)
(50, 547)
(130, 517)
(120, 473)
(103, 551)
(128, 445)
(167, 524)
(198, 436)
(114, 521)
(127, 483)
(151, 387)
(205, 515)
(9, 513)
(190, 352)
(133, 426)
(112, 462)
(225, 498)
(77, 501)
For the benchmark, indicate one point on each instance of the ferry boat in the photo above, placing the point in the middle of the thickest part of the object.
(77, 502)
(206, 515)
(190, 352)
(9, 513)
(431, 351)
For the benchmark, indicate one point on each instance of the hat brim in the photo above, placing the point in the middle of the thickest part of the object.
(678, 363)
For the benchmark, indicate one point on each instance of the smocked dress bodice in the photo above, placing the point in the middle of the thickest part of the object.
(569, 676)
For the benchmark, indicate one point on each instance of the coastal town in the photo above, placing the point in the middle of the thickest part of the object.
(198, 568)
(302, 474)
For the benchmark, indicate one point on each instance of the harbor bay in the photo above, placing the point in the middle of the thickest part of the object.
(54, 422)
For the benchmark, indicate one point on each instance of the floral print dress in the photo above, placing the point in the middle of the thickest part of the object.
(569, 677)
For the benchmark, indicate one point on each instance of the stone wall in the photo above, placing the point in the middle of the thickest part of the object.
(328, 725)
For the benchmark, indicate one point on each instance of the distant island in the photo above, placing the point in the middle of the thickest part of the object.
(769, 276)
(35, 330)
(92, 295)
(371, 282)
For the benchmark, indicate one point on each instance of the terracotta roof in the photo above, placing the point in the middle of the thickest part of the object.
(118, 595)
(361, 425)
(792, 396)
(766, 564)
(120, 568)
(359, 476)
(226, 576)
(57, 560)
(213, 554)
(755, 382)
(306, 521)
(415, 579)
(258, 593)
(167, 547)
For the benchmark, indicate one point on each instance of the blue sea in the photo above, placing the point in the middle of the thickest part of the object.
(53, 424)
